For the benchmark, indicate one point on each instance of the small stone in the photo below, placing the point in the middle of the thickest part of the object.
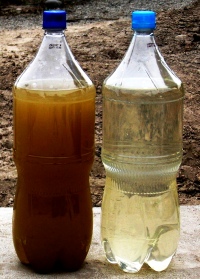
(181, 38)
(8, 144)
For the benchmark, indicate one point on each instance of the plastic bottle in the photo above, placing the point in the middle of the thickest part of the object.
(141, 152)
(54, 117)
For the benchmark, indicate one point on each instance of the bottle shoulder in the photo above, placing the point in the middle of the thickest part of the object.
(143, 67)
(53, 66)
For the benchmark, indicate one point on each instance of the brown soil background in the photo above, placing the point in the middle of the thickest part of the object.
(99, 47)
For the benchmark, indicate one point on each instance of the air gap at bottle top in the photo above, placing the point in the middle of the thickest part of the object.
(54, 117)
(141, 153)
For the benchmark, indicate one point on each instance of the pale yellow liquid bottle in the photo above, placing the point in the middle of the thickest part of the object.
(54, 117)
(141, 152)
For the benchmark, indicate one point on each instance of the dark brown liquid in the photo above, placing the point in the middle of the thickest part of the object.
(53, 153)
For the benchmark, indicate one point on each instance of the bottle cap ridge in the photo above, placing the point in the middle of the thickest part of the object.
(143, 20)
(54, 19)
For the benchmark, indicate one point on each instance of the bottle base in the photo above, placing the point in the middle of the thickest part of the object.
(125, 266)
(134, 267)
(57, 267)
(108, 251)
(159, 265)
(129, 267)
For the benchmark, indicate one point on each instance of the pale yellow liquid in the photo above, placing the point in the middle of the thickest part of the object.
(142, 149)
(139, 228)
(53, 153)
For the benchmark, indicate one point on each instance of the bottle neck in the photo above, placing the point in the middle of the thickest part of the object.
(54, 46)
(142, 45)
(143, 41)
(146, 32)
(54, 32)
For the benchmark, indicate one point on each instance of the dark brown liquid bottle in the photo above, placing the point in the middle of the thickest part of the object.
(54, 116)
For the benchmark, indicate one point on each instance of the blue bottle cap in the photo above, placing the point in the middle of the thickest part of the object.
(143, 20)
(54, 19)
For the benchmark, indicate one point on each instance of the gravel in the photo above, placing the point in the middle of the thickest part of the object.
(88, 11)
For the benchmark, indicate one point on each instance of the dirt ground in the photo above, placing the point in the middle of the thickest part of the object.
(99, 46)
